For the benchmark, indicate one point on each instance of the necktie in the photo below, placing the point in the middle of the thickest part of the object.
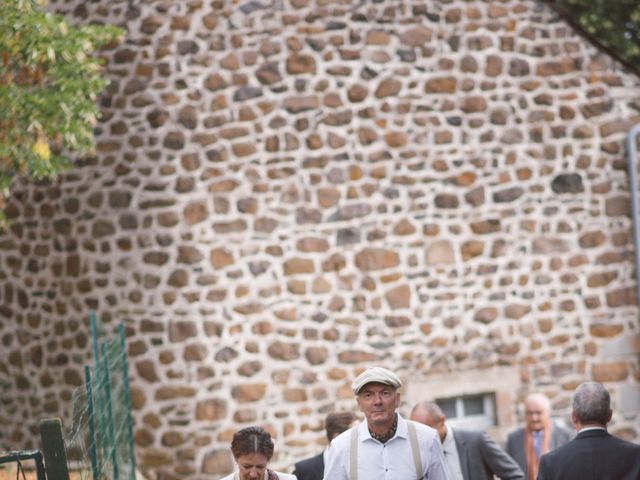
(537, 441)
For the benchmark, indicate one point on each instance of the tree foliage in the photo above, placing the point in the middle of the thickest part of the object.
(49, 82)
(613, 23)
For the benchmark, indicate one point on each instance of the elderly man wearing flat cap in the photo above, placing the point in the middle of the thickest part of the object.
(384, 446)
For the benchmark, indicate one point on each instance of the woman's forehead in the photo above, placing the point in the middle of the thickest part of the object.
(252, 458)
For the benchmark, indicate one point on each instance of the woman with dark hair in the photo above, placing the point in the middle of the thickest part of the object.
(252, 448)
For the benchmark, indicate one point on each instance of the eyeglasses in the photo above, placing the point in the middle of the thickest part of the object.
(531, 413)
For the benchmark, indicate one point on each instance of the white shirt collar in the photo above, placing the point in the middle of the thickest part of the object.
(585, 429)
(449, 444)
(401, 431)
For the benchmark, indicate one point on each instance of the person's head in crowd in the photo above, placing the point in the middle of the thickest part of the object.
(252, 448)
(537, 411)
(377, 396)
(429, 413)
(337, 422)
(591, 405)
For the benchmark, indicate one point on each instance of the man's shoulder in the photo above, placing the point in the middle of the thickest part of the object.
(310, 462)
(628, 446)
(343, 440)
(425, 437)
(469, 435)
(607, 438)
(518, 432)
(422, 431)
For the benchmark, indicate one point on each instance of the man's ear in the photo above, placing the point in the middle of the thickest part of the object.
(609, 415)
(574, 419)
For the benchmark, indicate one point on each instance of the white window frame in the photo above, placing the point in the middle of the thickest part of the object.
(473, 422)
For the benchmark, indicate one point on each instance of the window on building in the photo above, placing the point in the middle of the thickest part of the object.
(476, 412)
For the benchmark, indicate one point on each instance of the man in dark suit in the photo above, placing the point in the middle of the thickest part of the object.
(469, 455)
(539, 435)
(313, 468)
(593, 454)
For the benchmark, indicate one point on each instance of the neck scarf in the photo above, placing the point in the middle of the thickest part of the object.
(385, 437)
(530, 449)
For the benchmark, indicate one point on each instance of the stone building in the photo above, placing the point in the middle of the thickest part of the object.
(287, 191)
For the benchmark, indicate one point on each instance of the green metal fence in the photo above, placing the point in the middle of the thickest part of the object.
(100, 445)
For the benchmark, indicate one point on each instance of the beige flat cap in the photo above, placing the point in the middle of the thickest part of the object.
(377, 375)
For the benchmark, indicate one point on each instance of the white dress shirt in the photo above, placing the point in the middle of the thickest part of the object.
(392, 460)
(325, 454)
(451, 455)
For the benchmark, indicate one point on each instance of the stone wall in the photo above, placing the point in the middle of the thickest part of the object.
(286, 192)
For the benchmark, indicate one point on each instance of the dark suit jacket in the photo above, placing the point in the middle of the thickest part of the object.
(515, 444)
(310, 468)
(592, 455)
(481, 457)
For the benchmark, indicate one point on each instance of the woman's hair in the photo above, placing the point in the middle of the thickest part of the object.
(252, 440)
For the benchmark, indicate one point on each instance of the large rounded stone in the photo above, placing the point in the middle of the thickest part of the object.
(211, 410)
(250, 392)
(440, 252)
(372, 258)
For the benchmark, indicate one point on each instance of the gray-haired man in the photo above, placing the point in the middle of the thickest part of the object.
(593, 454)
(470, 455)
(384, 446)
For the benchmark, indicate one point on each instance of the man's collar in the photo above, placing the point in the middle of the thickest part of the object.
(594, 427)
(401, 431)
(448, 435)
(389, 434)
(449, 442)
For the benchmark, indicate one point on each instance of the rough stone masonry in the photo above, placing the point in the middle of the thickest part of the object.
(287, 191)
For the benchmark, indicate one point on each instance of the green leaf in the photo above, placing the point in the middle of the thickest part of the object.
(51, 84)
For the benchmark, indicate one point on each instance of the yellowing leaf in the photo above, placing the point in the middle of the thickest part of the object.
(41, 149)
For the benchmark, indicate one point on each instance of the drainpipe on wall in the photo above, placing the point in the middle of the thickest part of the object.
(633, 187)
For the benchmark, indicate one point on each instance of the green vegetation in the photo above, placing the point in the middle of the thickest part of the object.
(49, 82)
(613, 23)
